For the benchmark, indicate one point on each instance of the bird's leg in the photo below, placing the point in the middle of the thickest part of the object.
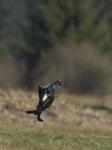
(38, 116)
(38, 112)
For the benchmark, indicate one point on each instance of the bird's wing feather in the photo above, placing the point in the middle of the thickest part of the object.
(44, 97)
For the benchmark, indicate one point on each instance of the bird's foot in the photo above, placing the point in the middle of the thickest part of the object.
(39, 119)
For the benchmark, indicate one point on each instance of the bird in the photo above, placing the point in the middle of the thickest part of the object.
(47, 94)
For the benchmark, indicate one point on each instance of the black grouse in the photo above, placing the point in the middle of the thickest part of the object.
(46, 97)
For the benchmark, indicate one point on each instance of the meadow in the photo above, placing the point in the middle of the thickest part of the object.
(28, 138)
(73, 122)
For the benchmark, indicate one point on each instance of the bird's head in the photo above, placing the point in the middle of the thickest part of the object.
(60, 82)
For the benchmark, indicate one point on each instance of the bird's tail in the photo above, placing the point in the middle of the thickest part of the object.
(31, 112)
(35, 112)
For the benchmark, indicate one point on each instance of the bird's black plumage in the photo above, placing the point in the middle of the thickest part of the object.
(46, 98)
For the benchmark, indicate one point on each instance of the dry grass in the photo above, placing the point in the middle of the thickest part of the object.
(67, 111)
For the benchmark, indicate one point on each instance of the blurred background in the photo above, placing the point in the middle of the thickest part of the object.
(47, 40)
(42, 41)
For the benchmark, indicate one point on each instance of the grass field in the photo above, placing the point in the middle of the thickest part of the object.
(27, 138)
(72, 123)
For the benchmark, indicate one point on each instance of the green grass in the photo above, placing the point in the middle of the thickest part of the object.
(27, 138)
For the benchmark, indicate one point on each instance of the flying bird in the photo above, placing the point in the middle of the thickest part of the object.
(47, 94)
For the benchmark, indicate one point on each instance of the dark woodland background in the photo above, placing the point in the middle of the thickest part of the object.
(46, 40)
